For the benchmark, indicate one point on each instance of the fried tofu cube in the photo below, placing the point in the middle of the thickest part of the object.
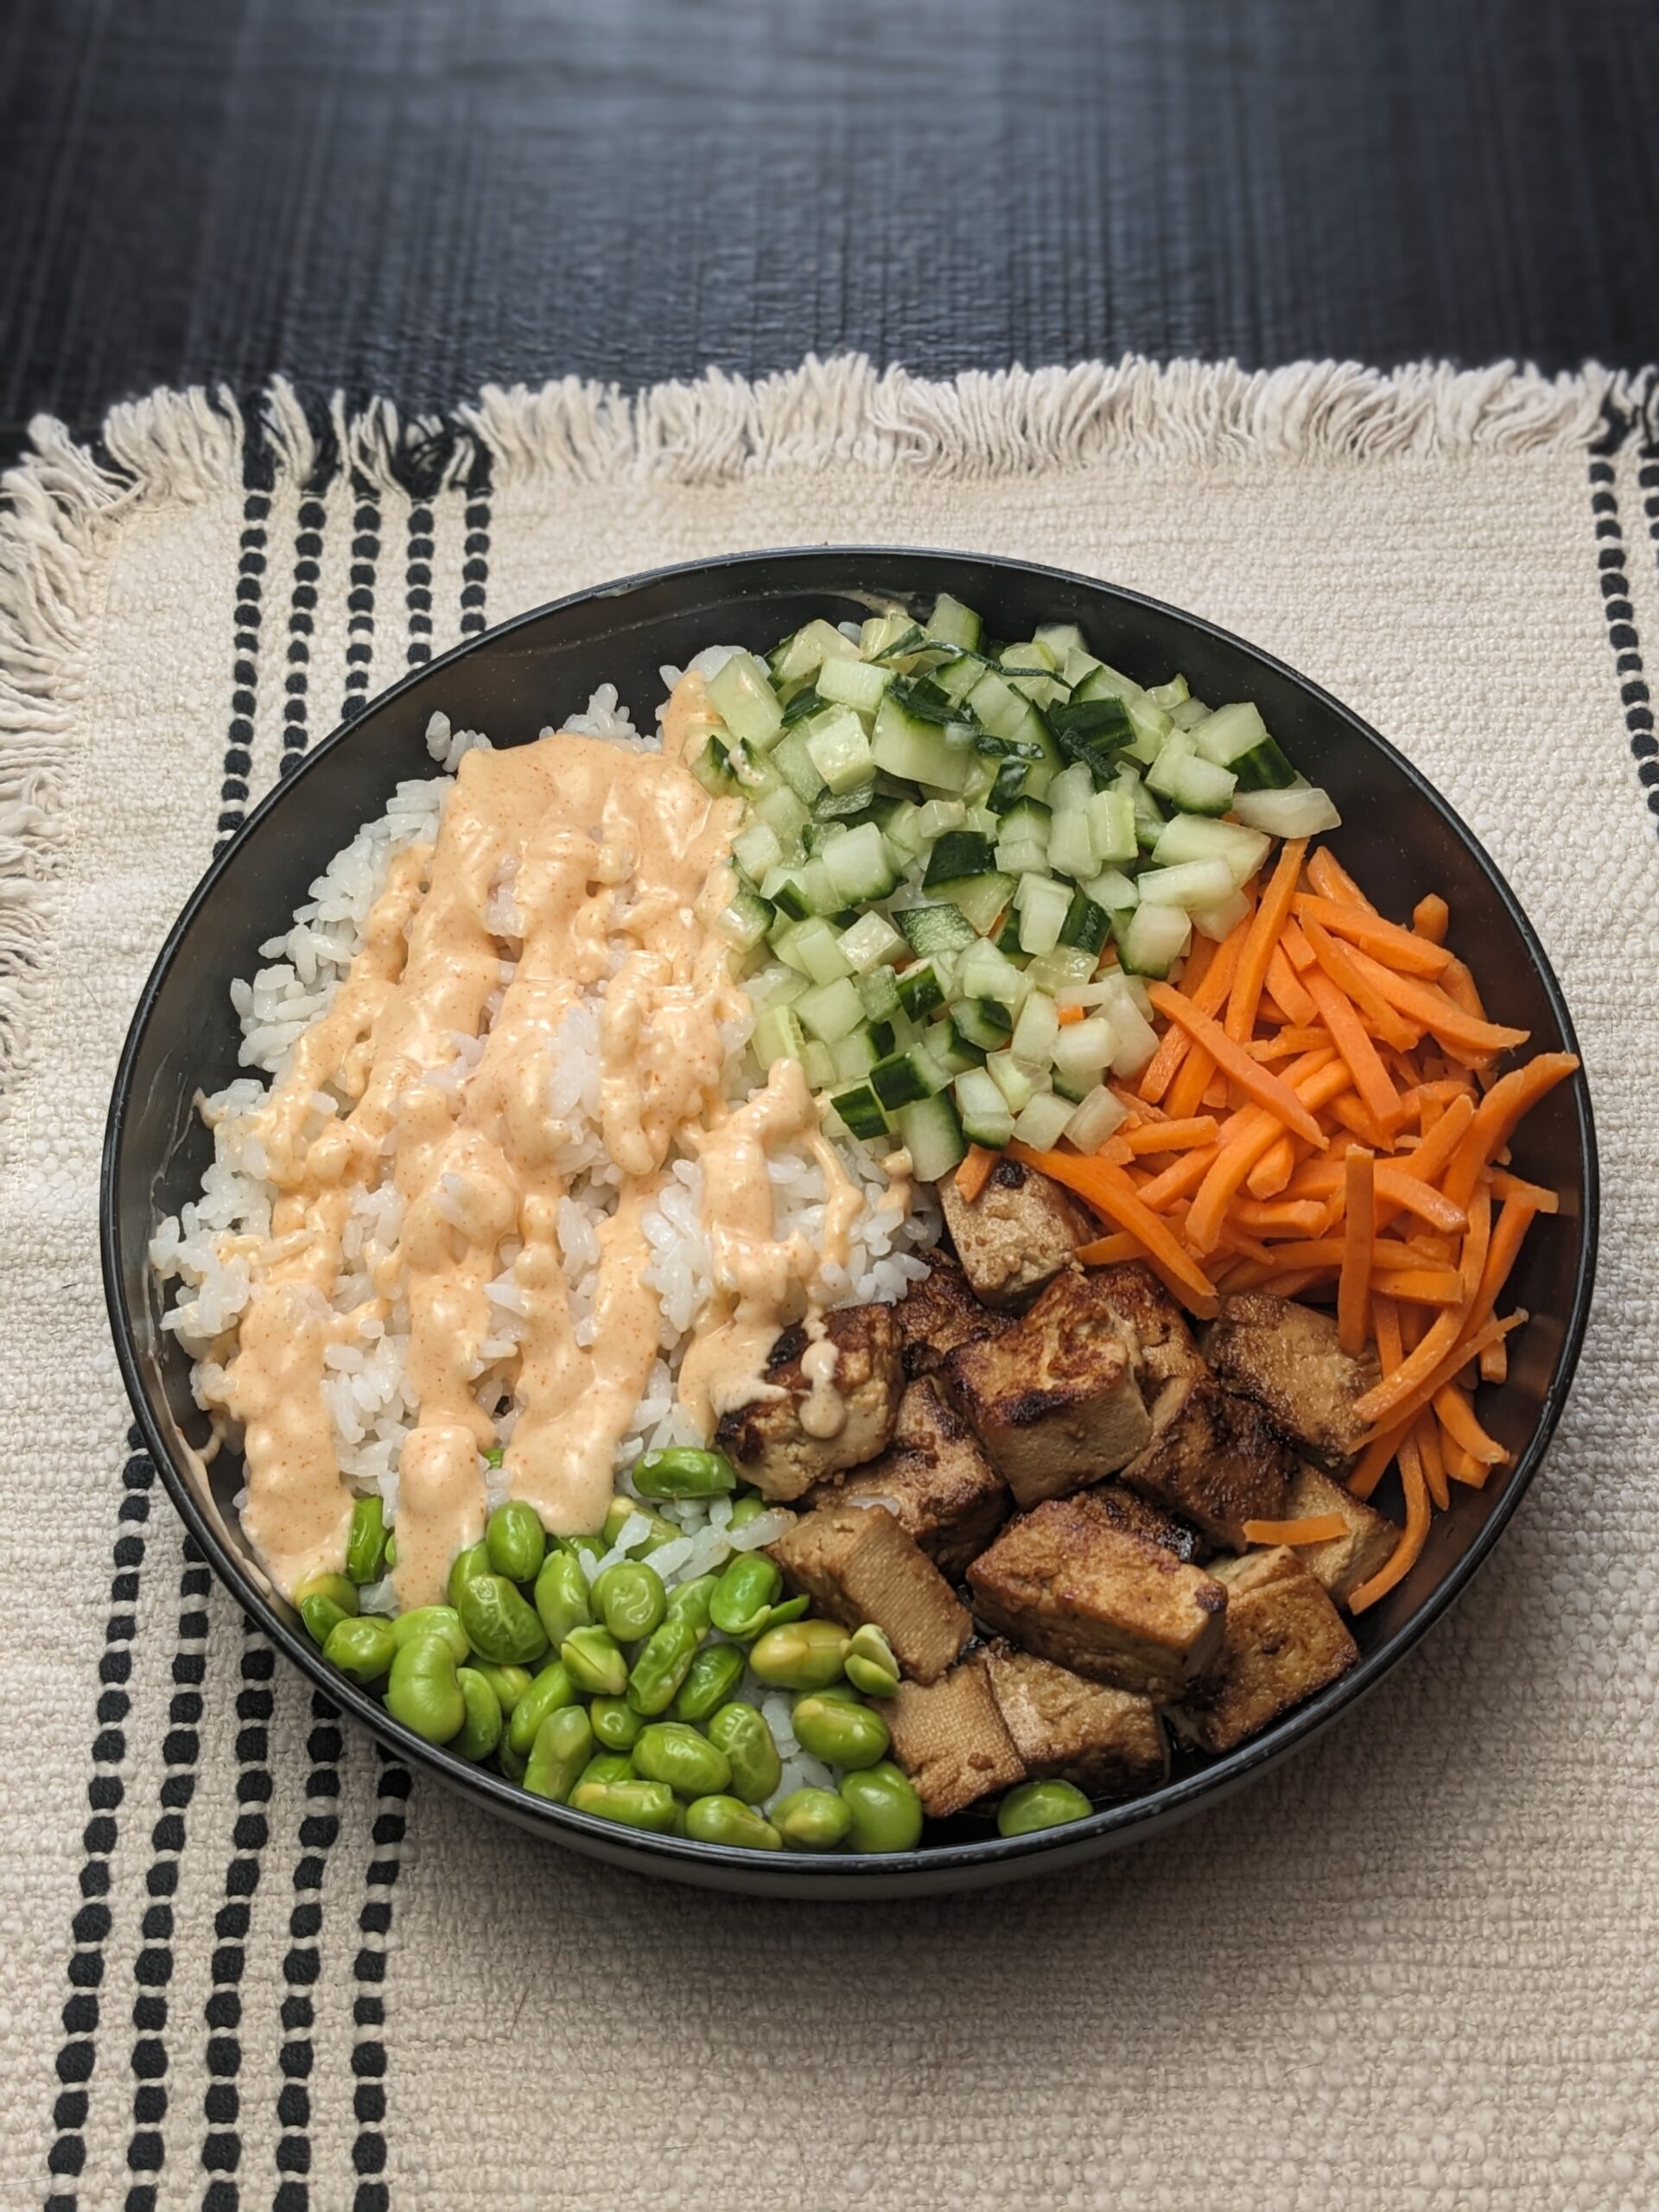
(1155, 1330)
(1287, 1358)
(951, 1741)
(1109, 1742)
(1215, 1458)
(1283, 1639)
(1017, 1234)
(857, 1564)
(1066, 1582)
(940, 1312)
(1344, 1562)
(934, 1479)
(1054, 1398)
(1138, 1516)
(806, 1429)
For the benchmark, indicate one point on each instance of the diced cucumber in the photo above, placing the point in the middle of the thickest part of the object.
(859, 865)
(1008, 937)
(906, 746)
(858, 683)
(883, 632)
(900, 829)
(755, 848)
(1151, 725)
(931, 1132)
(838, 748)
(860, 1110)
(1154, 939)
(1303, 810)
(953, 624)
(1073, 1087)
(1189, 713)
(1066, 968)
(936, 818)
(1094, 1121)
(1113, 890)
(1018, 1082)
(1059, 639)
(1171, 695)
(804, 653)
(1190, 837)
(958, 853)
(777, 1036)
(1104, 682)
(985, 973)
(1148, 820)
(980, 897)
(1137, 1041)
(783, 814)
(817, 1065)
(1176, 748)
(952, 1049)
(1008, 784)
(747, 919)
(855, 1053)
(741, 695)
(831, 1011)
(801, 704)
(1220, 920)
(713, 768)
(1093, 732)
(1072, 845)
(906, 1076)
(1021, 856)
(922, 989)
(871, 940)
(816, 949)
(1189, 884)
(986, 1118)
(1084, 1048)
(879, 989)
(938, 928)
(1111, 826)
(793, 761)
(1235, 737)
(987, 1024)
(1044, 904)
(1087, 925)
(1042, 1121)
(1036, 1031)
(1198, 787)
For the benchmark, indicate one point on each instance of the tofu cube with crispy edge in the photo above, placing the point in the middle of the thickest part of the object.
(1156, 1331)
(934, 1479)
(1287, 1358)
(1215, 1458)
(951, 1740)
(1054, 1398)
(940, 1312)
(1283, 1640)
(1017, 1234)
(784, 1443)
(1109, 1742)
(1342, 1563)
(857, 1564)
(1138, 1516)
(1066, 1582)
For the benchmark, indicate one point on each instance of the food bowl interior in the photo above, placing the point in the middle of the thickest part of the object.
(1398, 838)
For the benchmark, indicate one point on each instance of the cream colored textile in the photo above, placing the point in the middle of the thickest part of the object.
(1415, 1968)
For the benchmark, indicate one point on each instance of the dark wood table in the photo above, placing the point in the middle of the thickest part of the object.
(415, 196)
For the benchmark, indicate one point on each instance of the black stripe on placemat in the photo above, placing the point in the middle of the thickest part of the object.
(1612, 562)
(301, 629)
(359, 599)
(302, 1963)
(369, 2008)
(417, 583)
(221, 2149)
(90, 1930)
(1638, 712)
(475, 548)
(239, 743)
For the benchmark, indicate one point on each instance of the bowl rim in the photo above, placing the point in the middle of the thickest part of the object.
(938, 1866)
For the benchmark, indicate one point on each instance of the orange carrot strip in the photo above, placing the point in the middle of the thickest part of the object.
(1380, 1017)
(1068, 1014)
(1280, 1217)
(1427, 1286)
(1446, 1367)
(1431, 917)
(1110, 1251)
(1299, 953)
(1395, 1387)
(1173, 1135)
(1426, 1435)
(1287, 1282)
(1235, 1239)
(1110, 1191)
(1294, 1037)
(1383, 940)
(1404, 1188)
(1476, 1240)
(1458, 1415)
(1538, 1195)
(1268, 1178)
(1429, 1160)
(1243, 1142)
(971, 1176)
(1354, 1284)
(1311, 1528)
(1262, 940)
(1184, 1176)
(1495, 1363)
(1371, 1078)
(1509, 1232)
(1354, 1115)
(1459, 1032)
(1408, 1550)
(1496, 1117)
(1461, 1467)
(1286, 988)
(1459, 983)
(1331, 881)
(1269, 1090)
(1208, 995)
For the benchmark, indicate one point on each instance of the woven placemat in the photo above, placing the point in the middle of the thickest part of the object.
(248, 1961)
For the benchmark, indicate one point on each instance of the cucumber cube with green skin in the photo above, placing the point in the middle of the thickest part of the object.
(741, 695)
(986, 1024)
(860, 1110)
(777, 1036)
(930, 1131)
(878, 988)
(921, 990)
(953, 624)
(806, 652)
(936, 928)
(870, 942)
(855, 683)
(1154, 939)
(832, 1011)
(791, 757)
(1235, 737)
(1111, 827)
(713, 769)
(906, 1076)
(838, 748)
(919, 751)
(1087, 925)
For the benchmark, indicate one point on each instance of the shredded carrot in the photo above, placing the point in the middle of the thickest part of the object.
(1172, 1136)
(1269, 1090)
(1299, 953)
(1462, 1466)
(1497, 1116)
(1446, 1367)
(1461, 988)
(1110, 1192)
(1495, 1363)
(1111, 1251)
(1371, 1079)
(1355, 1115)
(1282, 1216)
(1286, 987)
(1268, 1178)
(1071, 1014)
(1354, 1284)
(1426, 1434)
(1454, 1410)
(1385, 941)
(1538, 1195)
(1262, 941)
(1427, 1286)
(1180, 1180)
(1311, 1528)
(1407, 1553)
(970, 1177)
(1431, 917)
(1331, 881)
(1380, 1017)
(1458, 1031)
(1208, 993)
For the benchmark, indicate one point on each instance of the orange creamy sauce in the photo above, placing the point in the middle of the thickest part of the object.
(620, 873)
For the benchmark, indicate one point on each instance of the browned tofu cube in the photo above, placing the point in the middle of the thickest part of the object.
(940, 1312)
(1344, 1562)
(1109, 1742)
(1054, 1398)
(1066, 1582)
(1215, 1458)
(1017, 1234)
(1283, 1640)
(808, 1428)
(950, 1740)
(1138, 1516)
(934, 1479)
(857, 1564)
(1155, 1330)
(1287, 1358)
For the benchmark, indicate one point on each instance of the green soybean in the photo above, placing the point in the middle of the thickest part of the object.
(740, 1731)
(548, 1691)
(658, 1531)
(509, 1683)
(662, 1665)
(480, 1732)
(512, 1763)
(812, 1820)
(886, 1812)
(1036, 1805)
(595, 1661)
(745, 1594)
(871, 1666)
(839, 1730)
(422, 1692)
(469, 1563)
(516, 1540)
(562, 1596)
(499, 1626)
(365, 1541)
(433, 1620)
(608, 1766)
(391, 1550)
(671, 1751)
(631, 1599)
(803, 1655)
(586, 1547)
(564, 1745)
(713, 1675)
(615, 1723)
(362, 1646)
(792, 1609)
(689, 1601)
(748, 1505)
(728, 1820)
(635, 1804)
(325, 1601)
(682, 1470)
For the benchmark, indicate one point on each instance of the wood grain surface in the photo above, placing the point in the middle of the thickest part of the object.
(415, 196)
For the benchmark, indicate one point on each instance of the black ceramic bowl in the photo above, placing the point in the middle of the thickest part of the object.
(1399, 837)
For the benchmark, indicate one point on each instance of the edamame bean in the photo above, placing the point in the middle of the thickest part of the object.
(745, 1594)
(1036, 1805)
(586, 1547)
(812, 1820)
(871, 1666)
(469, 1563)
(635, 1804)
(365, 1540)
(595, 1661)
(516, 1540)
(480, 1732)
(728, 1820)
(658, 1531)
(715, 1673)
(499, 1626)
(433, 1620)
(631, 1599)
(362, 1646)
(608, 1766)
(562, 1596)
(740, 1731)
(549, 1691)
(792, 1609)
(682, 1470)
(886, 1812)
(616, 1724)
(804, 1656)
(421, 1690)
(324, 1600)
(689, 1601)
(509, 1683)
(839, 1730)
(747, 1506)
(512, 1763)
(564, 1745)
(392, 1551)
(662, 1664)
(669, 1752)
